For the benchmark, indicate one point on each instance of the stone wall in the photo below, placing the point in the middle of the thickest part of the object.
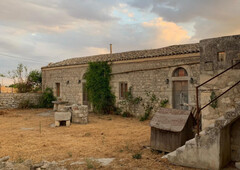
(142, 75)
(12, 100)
(210, 65)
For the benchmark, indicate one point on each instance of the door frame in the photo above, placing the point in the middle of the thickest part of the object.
(185, 78)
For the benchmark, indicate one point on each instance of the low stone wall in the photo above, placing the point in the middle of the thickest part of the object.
(12, 100)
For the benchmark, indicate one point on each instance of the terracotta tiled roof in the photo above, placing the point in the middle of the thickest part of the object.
(132, 55)
(170, 119)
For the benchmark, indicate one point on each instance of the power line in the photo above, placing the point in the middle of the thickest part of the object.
(22, 58)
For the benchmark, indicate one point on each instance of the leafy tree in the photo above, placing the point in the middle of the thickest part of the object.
(98, 77)
(35, 79)
(24, 81)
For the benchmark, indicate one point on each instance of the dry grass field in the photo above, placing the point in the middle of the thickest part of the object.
(26, 135)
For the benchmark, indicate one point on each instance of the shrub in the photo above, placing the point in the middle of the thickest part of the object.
(149, 104)
(163, 103)
(24, 87)
(26, 104)
(126, 114)
(117, 111)
(212, 97)
(130, 102)
(137, 156)
(47, 98)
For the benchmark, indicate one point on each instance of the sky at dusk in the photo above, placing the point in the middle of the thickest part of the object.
(37, 32)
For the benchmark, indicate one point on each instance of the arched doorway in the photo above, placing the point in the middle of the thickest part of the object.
(180, 88)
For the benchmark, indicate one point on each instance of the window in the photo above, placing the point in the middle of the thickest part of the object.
(58, 89)
(221, 56)
(123, 88)
(180, 72)
(85, 96)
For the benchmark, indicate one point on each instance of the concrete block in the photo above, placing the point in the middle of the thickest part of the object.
(237, 165)
(57, 123)
(68, 123)
(61, 116)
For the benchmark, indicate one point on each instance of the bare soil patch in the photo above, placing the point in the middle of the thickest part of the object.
(26, 135)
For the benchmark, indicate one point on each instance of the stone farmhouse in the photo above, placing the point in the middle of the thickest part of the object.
(173, 73)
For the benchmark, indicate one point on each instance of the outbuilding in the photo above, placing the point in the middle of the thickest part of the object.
(170, 129)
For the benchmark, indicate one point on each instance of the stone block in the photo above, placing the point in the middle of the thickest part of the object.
(80, 120)
(237, 165)
(57, 123)
(68, 123)
(61, 116)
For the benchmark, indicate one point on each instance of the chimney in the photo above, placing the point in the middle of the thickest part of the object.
(110, 48)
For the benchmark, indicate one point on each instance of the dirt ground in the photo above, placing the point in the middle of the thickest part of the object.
(26, 135)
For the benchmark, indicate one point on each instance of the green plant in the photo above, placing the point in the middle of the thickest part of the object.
(98, 77)
(19, 159)
(26, 104)
(126, 114)
(129, 103)
(212, 97)
(137, 156)
(117, 111)
(90, 164)
(47, 98)
(70, 154)
(163, 103)
(35, 79)
(149, 104)
(24, 87)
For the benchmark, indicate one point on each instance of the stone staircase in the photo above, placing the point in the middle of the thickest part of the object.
(212, 149)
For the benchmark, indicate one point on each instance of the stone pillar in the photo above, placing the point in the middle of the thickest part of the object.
(80, 114)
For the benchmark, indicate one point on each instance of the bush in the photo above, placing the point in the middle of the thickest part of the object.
(137, 156)
(130, 102)
(149, 104)
(24, 87)
(117, 111)
(26, 104)
(212, 97)
(47, 98)
(126, 114)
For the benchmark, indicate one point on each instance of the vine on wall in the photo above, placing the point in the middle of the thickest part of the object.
(98, 78)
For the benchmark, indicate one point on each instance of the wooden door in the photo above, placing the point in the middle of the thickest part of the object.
(180, 94)
(58, 89)
(85, 96)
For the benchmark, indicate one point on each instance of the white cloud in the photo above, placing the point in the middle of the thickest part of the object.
(166, 32)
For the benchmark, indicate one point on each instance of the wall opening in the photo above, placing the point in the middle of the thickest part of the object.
(180, 89)
(58, 89)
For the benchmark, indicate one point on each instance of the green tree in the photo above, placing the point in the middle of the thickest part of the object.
(35, 79)
(98, 77)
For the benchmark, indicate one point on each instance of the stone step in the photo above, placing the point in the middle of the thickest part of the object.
(207, 138)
